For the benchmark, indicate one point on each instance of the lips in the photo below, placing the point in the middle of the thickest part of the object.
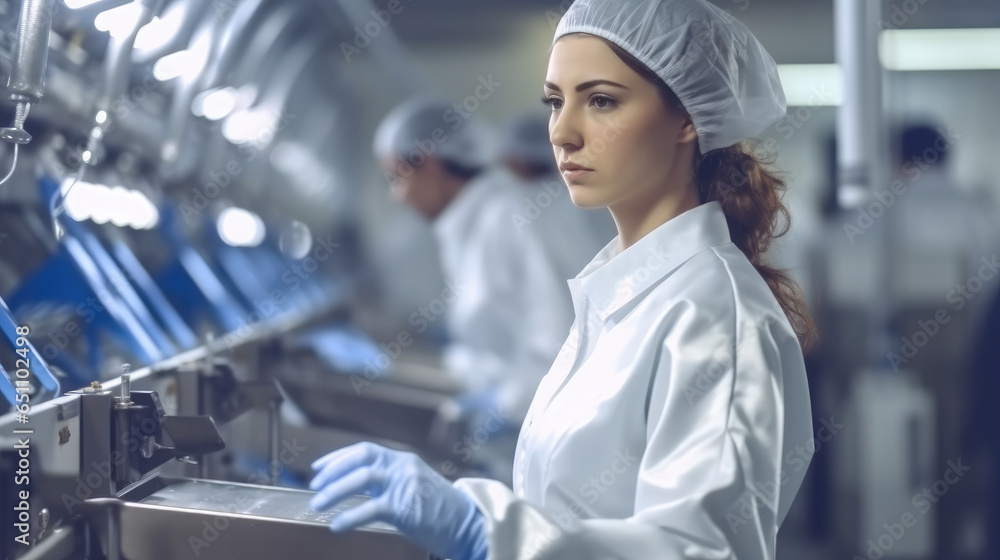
(570, 166)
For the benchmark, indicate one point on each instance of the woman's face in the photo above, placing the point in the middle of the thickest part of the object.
(608, 118)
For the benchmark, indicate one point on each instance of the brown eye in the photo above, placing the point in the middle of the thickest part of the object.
(553, 102)
(603, 101)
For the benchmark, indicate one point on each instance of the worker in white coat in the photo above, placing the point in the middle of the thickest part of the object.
(675, 420)
(511, 310)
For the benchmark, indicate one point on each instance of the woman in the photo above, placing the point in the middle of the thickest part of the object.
(674, 420)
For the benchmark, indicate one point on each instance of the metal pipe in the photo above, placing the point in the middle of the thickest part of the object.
(269, 38)
(859, 137)
(117, 64)
(26, 83)
(225, 50)
(274, 419)
(859, 116)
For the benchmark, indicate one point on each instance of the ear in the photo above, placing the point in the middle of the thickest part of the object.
(687, 133)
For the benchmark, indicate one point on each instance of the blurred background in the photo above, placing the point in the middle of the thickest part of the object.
(200, 178)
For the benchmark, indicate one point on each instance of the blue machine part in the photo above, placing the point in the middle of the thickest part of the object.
(192, 285)
(71, 276)
(258, 272)
(36, 364)
(152, 296)
(81, 275)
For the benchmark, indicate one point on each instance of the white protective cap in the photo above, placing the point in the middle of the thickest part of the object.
(722, 75)
(526, 138)
(426, 126)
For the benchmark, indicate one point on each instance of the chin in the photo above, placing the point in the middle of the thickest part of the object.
(586, 197)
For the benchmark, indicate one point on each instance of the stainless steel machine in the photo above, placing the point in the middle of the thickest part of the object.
(105, 477)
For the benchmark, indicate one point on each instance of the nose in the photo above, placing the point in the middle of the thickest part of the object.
(564, 133)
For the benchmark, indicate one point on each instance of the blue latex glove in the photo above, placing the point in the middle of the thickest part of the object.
(406, 493)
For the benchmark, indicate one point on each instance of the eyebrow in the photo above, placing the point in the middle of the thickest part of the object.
(586, 85)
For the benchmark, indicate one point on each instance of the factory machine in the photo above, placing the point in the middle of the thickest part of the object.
(111, 471)
(165, 388)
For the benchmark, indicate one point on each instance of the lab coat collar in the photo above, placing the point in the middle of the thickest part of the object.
(613, 279)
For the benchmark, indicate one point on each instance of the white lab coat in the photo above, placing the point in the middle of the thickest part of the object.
(675, 421)
(508, 267)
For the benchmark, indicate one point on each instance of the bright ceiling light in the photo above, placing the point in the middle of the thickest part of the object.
(119, 21)
(160, 31)
(77, 4)
(214, 104)
(248, 125)
(940, 49)
(101, 204)
(811, 85)
(172, 65)
(240, 228)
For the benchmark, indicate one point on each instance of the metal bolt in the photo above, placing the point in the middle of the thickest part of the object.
(124, 400)
(21, 114)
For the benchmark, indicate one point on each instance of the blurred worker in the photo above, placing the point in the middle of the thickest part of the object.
(513, 307)
(666, 425)
(578, 233)
(914, 265)
(931, 218)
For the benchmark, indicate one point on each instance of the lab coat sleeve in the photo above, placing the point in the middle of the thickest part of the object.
(710, 482)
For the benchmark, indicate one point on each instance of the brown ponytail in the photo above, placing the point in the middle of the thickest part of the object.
(750, 195)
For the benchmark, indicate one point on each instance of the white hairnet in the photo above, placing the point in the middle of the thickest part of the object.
(526, 138)
(423, 127)
(722, 75)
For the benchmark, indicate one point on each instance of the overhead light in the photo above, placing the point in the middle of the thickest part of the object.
(171, 65)
(158, 32)
(240, 228)
(811, 85)
(77, 4)
(248, 125)
(187, 63)
(119, 21)
(101, 204)
(214, 104)
(852, 196)
(77, 201)
(940, 49)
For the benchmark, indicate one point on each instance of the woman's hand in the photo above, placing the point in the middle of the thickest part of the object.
(405, 493)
